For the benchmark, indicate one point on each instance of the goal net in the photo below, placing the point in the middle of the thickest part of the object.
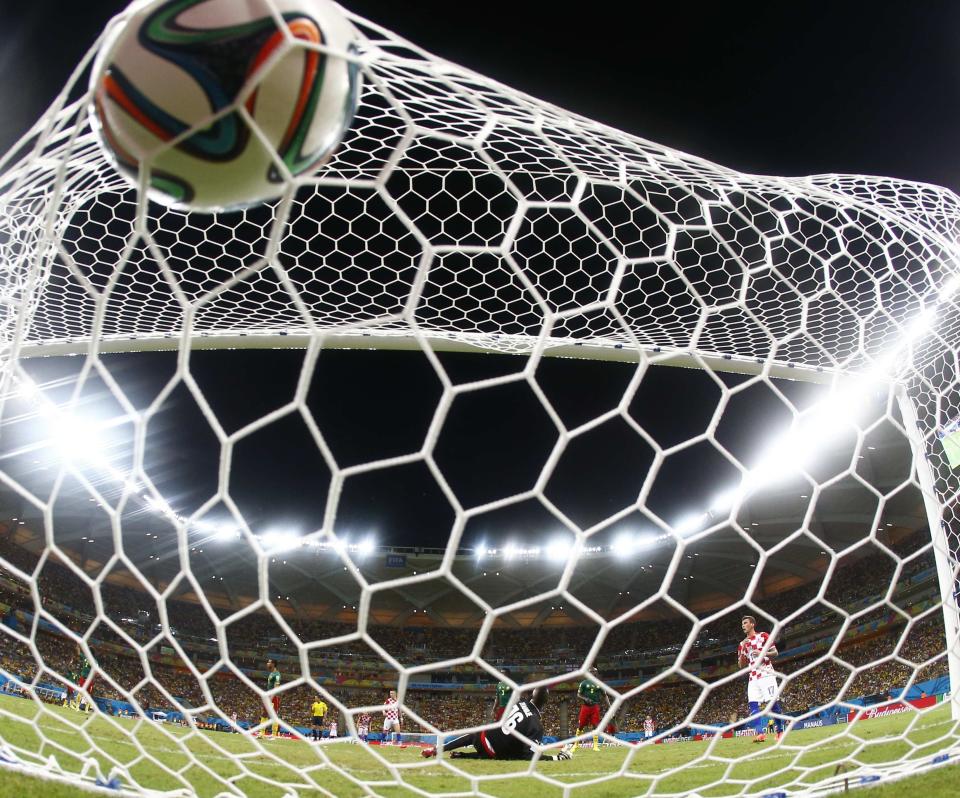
(499, 394)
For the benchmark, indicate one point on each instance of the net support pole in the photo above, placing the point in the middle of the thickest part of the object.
(945, 559)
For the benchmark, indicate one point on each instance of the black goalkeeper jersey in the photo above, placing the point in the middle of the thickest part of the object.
(503, 744)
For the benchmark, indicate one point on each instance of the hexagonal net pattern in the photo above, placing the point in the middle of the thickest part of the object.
(460, 215)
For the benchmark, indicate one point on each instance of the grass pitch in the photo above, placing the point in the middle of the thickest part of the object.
(208, 763)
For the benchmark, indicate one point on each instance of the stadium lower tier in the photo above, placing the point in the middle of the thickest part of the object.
(808, 683)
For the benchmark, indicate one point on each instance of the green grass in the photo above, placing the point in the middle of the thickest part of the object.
(208, 763)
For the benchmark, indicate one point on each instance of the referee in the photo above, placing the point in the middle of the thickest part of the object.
(319, 712)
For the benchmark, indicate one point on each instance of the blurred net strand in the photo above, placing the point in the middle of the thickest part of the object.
(445, 108)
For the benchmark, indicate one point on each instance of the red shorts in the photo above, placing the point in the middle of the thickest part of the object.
(498, 712)
(85, 682)
(275, 701)
(589, 717)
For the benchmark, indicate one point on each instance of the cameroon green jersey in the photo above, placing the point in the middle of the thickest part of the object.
(590, 692)
(273, 680)
(504, 694)
(85, 668)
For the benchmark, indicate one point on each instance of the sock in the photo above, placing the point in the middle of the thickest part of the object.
(758, 721)
(596, 740)
(579, 732)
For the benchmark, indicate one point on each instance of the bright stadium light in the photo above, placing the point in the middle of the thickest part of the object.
(624, 544)
(724, 502)
(226, 532)
(510, 551)
(690, 524)
(365, 546)
(277, 541)
(559, 550)
(73, 439)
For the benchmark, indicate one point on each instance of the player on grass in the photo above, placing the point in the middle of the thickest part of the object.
(363, 727)
(391, 719)
(757, 650)
(589, 694)
(273, 682)
(70, 694)
(504, 694)
(84, 681)
(504, 743)
(319, 710)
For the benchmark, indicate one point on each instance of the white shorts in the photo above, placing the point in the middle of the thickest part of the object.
(763, 691)
(391, 724)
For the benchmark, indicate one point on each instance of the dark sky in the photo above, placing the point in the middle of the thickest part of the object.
(783, 88)
(858, 87)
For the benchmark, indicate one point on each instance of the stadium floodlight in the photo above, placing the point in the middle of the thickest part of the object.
(510, 551)
(921, 324)
(624, 544)
(689, 524)
(226, 532)
(724, 502)
(276, 541)
(558, 550)
(365, 546)
(73, 439)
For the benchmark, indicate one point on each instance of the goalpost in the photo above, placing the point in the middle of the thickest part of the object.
(461, 215)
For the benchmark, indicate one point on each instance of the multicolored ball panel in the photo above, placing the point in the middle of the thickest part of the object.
(174, 90)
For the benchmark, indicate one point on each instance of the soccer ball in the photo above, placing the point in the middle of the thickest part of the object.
(218, 102)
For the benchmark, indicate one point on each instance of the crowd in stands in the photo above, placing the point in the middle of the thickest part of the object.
(632, 653)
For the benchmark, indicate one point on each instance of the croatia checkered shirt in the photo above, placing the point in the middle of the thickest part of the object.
(391, 712)
(760, 667)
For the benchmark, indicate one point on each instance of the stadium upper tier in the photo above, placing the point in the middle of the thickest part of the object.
(308, 577)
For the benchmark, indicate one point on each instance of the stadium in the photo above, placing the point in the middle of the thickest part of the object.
(492, 398)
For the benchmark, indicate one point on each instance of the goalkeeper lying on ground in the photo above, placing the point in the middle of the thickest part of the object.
(503, 743)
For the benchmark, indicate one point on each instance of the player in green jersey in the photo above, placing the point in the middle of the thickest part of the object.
(84, 680)
(273, 682)
(504, 694)
(590, 694)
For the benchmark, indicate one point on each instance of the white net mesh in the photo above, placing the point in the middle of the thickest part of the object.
(461, 215)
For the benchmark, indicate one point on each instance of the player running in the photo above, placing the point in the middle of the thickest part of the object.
(504, 743)
(318, 710)
(273, 682)
(589, 694)
(757, 651)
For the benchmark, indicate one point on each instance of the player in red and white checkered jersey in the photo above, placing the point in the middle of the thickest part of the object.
(757, 650)
(391, 718)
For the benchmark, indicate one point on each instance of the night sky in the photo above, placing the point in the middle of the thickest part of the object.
(766, 88)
